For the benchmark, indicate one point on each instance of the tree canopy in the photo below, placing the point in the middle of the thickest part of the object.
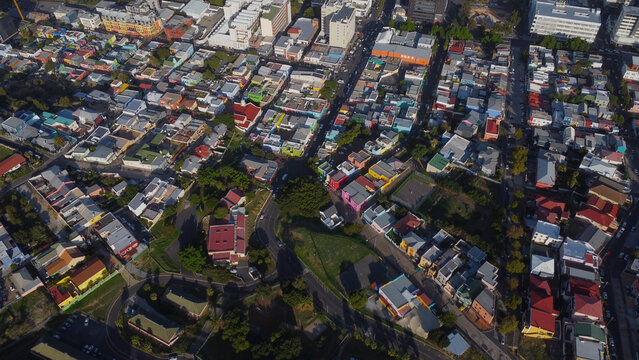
(303, 197)
(192, 258)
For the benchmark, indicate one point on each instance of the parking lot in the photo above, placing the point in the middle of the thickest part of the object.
(85, 334)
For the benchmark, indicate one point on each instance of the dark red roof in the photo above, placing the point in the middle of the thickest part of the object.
(595, 216)
(234, 196)
(407, 224)
(369, 185)
(221, 238)
(203, 152)
(248, 110)
(541, 301)
(585, 288)
(58, 296)
(542, 320)
(539, 284)
(492, 127)
(588, 306)
(9, 163)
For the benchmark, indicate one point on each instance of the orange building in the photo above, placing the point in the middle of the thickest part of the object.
(411, 55)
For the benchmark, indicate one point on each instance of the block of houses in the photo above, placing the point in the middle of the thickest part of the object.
(24, 282)
(546, 234)
(429, 257)
(58, 258)
(156, 327)
(10, 253)
(546, 174)
(599, 213)
(118, 238)
(191, 305)
(579, 252)
(408, 223)
(412, 244)
(88, 274)
(330, 217)
(383, 171)
(484, 307)
(397, 295)
(259, 168)
(487, 273)
(608, 194)
(245, 115)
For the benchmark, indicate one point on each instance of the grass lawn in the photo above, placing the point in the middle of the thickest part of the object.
(253, 208)
(157, 248)
(536, 349)
(326, 254)
(98, 302)
(145, 263)
(5, 152)
(25, 315)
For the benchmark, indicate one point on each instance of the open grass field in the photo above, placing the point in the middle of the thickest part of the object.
(157, 248)
(146, 263)
(326, 254)
(98, 302)
(5, 152)
(25, 315)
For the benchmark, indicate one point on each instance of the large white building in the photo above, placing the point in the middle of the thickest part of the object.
(342, 27)
(564, 21)
(90, 21)
(276, 18)
(626, 29)
(238, 26)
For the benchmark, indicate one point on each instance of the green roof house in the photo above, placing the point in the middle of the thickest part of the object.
(190, 304)
(590, 331)
(157, 327)
(437, 164)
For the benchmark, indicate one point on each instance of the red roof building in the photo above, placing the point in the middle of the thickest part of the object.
(58, 296)
(587, 307)
(12, 163)
(599, 213)
(491, 132)
(550, 210)
(227, 242)
(542, 320)
(245, 115)
(233, 197)
(203, 152)
(582, 287)
(407, 224)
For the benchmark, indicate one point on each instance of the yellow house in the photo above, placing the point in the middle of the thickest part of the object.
(382, 171)
(89, 274)
(540, 325)
(412, 243)
(61, 293)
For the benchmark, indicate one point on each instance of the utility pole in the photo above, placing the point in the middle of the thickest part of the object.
(19, 11)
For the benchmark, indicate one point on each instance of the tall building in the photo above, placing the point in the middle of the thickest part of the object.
(138, 18)
(328, 9)
(564, 21)
(626, 29)
(427, 11)
(276, 18)
(342, 27)
(90, 21)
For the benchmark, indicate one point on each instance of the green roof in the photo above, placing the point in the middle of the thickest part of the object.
(53, 349)
(160, 327)
(185, 301)
(270, 15)
(590, 330)
(439, 162)
(157, 139)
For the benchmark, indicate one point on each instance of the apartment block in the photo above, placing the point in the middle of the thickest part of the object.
(136, 19)
(276, 18)
(626, 29)
(564, 21)
(427, 11)
(342, 27)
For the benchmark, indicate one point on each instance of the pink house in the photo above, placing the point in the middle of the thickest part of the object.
(357, 195)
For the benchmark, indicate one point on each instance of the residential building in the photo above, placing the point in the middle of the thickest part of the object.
(429, 257)
(137, 18)
(275, 20)
(58, 259)
(191, 305)
(484, 306)
(330, 217)
(456, 149)
(227, 240)
(157, 327)
(342, 27)
(12, 163)
(579, 252)
(587, 308)
(608, 194)
(625, 31)
(87, 275)
(378, 218)
(427, 11)
(10, 253)
(539, 324)
(599, 213)
(563, 20)
(437, 164)
(487, 272)
(546, 234)
(542, 266)
(61, 296)
(260, 168)
(119, 239)
(412, 244)
(90, 21)
(150, 203)
(398, 295)
(630, 71)
(24, 282)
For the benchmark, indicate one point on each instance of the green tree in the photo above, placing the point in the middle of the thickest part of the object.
(573, 179)
(519, 134)
(195, 200)
(260, 258)
(153, 296)
(509, 324)
(448, 319)
(236, 329)
(329, 90)
(520, 157)
(303, 197)
(129, 193)
(352, 229)
(358, 299)
(309, 13)
(515, 267)
(549, 42)
(513, 301)
(226, 119)
(49, 66)
(64, 102)
(515, 232)
(192, 258)
(221, 212)
(294, 292)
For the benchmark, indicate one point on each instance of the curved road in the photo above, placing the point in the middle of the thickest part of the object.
(338, 310)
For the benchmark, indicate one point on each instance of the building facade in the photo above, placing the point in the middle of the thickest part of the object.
(342, 27)
(626, 29)
(136, 19)
(276, 18)
(564, 21)
(427, 11)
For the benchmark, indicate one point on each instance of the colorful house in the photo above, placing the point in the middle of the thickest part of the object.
(398, 295)
(412, 243)
(382, 171)
(61, 296)
(88, 274)
(539, 325)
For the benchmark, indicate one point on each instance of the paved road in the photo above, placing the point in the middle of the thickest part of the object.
(336, 309)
